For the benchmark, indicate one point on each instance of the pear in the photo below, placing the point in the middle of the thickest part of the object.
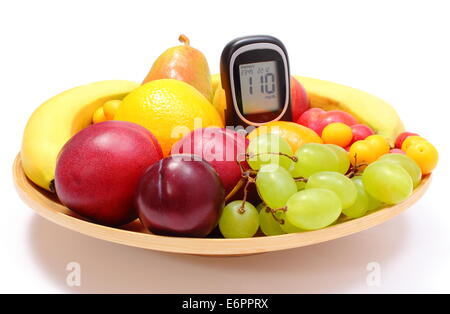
(183, 63)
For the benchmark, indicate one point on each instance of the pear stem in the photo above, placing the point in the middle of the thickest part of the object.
(184, 39)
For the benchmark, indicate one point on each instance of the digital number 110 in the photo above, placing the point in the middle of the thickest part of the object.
(267, 84)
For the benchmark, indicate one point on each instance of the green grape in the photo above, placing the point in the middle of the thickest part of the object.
(286, 226)
(236, 224)
(275, 185)
(372, 202)
(313, 209)
(264, 150)
(344, 188)
(387, 182)
(342, 154)
(300, 185)
(312, 158)
(260, 206)
(406, 163)
(361, 204)
(269, 226)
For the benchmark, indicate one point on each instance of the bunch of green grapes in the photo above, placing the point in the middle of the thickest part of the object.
(310, 189)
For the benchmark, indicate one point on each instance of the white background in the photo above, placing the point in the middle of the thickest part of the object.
(398, 50)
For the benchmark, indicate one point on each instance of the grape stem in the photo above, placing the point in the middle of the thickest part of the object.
(301, 179)
(250, 155)
(354, 169)
(235, 189)
(248, 176)
(244, 199)
(274, 211)
(245, 173)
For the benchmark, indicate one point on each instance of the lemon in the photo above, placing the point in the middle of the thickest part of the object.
(169, 109)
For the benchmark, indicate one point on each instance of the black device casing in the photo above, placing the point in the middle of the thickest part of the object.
(231, 117)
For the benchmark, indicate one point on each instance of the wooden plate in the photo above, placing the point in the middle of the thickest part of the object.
(134, 234)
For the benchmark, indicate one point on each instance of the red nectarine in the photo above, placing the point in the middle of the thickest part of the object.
(99, 168)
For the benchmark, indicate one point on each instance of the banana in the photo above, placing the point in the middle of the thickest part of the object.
(220, 101)
(366, 108)
(54, 122)
(215, 82)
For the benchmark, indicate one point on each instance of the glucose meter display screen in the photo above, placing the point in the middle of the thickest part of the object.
(260, 89)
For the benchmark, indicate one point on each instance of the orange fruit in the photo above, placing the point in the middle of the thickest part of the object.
(295, 134)
(110, 108)
(379, 144)
(337, 133)
(424, 154)
(169, 109)
(361, 153)
(411, 140)
(99, 115)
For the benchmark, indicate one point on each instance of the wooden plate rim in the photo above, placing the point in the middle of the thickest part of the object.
(57, 213)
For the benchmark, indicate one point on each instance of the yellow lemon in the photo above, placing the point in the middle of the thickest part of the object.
(169, 109)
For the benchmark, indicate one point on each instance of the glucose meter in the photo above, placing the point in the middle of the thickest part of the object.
(255, 75)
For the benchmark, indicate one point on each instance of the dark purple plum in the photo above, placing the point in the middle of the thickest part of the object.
(180, 195)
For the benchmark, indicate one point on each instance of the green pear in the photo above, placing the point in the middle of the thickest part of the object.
(183, 63)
